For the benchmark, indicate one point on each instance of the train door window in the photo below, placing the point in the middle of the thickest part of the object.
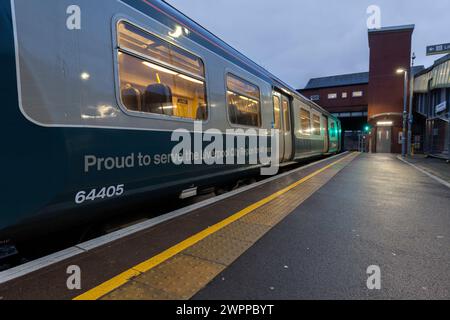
(333, 130)
(305, 122)
(157, 77)
(286, 116)
(277, 112)
(243, 102)
(316, 125)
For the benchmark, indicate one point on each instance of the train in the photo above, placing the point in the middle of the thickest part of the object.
(92, 92)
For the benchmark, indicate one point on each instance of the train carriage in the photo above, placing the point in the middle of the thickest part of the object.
(92, 92)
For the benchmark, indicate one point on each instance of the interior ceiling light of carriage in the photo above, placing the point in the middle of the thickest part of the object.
(162, 69)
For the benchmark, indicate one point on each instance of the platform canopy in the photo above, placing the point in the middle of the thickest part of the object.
(439, 74)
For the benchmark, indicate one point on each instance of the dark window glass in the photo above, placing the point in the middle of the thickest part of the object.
(243, 102)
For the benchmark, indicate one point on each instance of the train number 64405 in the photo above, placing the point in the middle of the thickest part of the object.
(103, 193)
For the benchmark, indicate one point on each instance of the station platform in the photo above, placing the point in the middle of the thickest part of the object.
(436, 167)
(311, 233)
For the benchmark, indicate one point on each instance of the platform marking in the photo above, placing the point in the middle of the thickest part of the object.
(432, 176)
(121, 279)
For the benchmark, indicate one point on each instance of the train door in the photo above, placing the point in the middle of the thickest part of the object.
(282, 122)
(278, 122)
(326, 146)
(287, 130)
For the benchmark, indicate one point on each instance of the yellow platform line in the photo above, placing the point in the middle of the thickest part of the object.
(121, 279)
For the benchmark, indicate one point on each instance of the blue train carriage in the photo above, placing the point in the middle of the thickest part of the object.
(92, 91)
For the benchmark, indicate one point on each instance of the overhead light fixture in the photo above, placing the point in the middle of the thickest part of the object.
(400, 70)
(190, 79)
(158, 68)
(385, 123)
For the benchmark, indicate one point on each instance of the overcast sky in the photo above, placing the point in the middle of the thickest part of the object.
(300, 39)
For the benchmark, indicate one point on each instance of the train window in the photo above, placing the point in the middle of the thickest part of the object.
(243, 102)
(316, 125)
(277, 113)
(286, 116)
(158, 78)
(305, 121)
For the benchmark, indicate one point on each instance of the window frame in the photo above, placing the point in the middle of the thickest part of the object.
(145, 115)
(227, 102)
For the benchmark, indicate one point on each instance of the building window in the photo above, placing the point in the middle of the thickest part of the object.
(243, 102)
(332, 96)
(315, 97)
(344, 95)
(316, 125)
(357, 94)
(422, 103)
(159, 78)
(305, 122)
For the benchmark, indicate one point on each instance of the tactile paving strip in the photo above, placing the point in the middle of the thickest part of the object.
(183, 275)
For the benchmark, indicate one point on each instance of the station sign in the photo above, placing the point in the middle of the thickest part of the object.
(441, 107)
(438, 49)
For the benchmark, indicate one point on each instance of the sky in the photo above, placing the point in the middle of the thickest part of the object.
(301, 39)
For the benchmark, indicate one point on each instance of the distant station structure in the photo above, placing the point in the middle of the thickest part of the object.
(371, 103)
(432, 109)
(346, 96)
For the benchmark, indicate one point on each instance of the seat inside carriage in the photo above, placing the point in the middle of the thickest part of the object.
(132, 98)
(158, 99)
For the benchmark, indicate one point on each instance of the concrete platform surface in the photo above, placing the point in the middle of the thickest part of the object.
(378, 211)
(437, 167)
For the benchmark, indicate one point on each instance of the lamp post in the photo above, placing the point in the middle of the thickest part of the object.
(411, 99)
(405, 109)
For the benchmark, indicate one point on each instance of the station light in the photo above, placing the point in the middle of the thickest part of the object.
(385, 123)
